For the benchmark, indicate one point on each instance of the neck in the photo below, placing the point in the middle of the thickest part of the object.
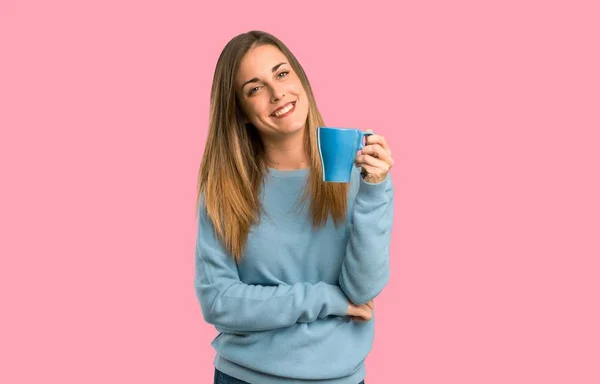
(287, 153)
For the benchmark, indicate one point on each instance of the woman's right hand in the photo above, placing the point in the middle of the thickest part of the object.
(363, 312)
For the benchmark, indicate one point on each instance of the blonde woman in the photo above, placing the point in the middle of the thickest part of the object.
(287, 266)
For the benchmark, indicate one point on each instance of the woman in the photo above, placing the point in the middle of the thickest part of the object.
(287, 265)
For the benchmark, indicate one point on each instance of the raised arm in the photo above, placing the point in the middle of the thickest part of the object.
(232, 306)
(366, 267)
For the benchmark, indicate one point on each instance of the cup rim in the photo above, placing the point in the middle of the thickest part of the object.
(339, 128)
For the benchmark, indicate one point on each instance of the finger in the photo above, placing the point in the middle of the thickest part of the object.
(378, 139)
(370, 169)
(363, 160)
(358, 310)
(378, 152)
(371, 304)
(371, 177)
(366, 312)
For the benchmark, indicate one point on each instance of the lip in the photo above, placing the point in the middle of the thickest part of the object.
(283, 106)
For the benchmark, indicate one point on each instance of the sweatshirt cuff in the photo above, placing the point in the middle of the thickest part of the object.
(338, 301)
(373, 191)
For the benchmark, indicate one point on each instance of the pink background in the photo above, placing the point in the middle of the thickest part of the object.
(492, 110)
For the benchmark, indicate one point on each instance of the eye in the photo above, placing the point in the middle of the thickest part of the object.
(253, 91)
(282, 74)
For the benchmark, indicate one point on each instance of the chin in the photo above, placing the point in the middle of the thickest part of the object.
(299, 126)
(291, 126)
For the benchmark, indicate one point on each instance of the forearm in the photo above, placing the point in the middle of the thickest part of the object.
(245, 308)
(365, 270)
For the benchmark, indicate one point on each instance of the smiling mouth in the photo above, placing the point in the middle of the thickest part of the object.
(285, 110)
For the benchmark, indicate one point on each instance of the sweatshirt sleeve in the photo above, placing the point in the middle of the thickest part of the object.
(233, 306)
(366, 267)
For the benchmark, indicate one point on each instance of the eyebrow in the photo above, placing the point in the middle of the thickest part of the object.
(255, 79)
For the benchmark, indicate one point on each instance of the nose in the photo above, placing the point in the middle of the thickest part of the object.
(276, 94)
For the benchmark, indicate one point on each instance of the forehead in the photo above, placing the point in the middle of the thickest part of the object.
(258, 62)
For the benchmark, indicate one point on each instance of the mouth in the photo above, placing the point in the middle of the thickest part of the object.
(284, 110)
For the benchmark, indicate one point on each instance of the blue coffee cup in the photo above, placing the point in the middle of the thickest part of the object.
(338, 147)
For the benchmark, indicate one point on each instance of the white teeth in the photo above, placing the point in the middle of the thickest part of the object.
(284, 110)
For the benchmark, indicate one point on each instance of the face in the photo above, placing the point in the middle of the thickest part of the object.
(271, 94)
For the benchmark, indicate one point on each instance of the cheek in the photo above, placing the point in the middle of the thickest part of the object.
(297, 89)
(255, 108)
(302, 94)
(305, 106)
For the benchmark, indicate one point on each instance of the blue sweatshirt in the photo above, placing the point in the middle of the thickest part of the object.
(281, 312)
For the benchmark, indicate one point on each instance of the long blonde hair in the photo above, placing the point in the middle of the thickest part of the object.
(234, 164)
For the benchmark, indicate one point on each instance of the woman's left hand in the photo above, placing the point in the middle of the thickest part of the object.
(371, 305)
(375, 158)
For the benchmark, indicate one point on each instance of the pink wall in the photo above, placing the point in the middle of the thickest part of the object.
(492, 113)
